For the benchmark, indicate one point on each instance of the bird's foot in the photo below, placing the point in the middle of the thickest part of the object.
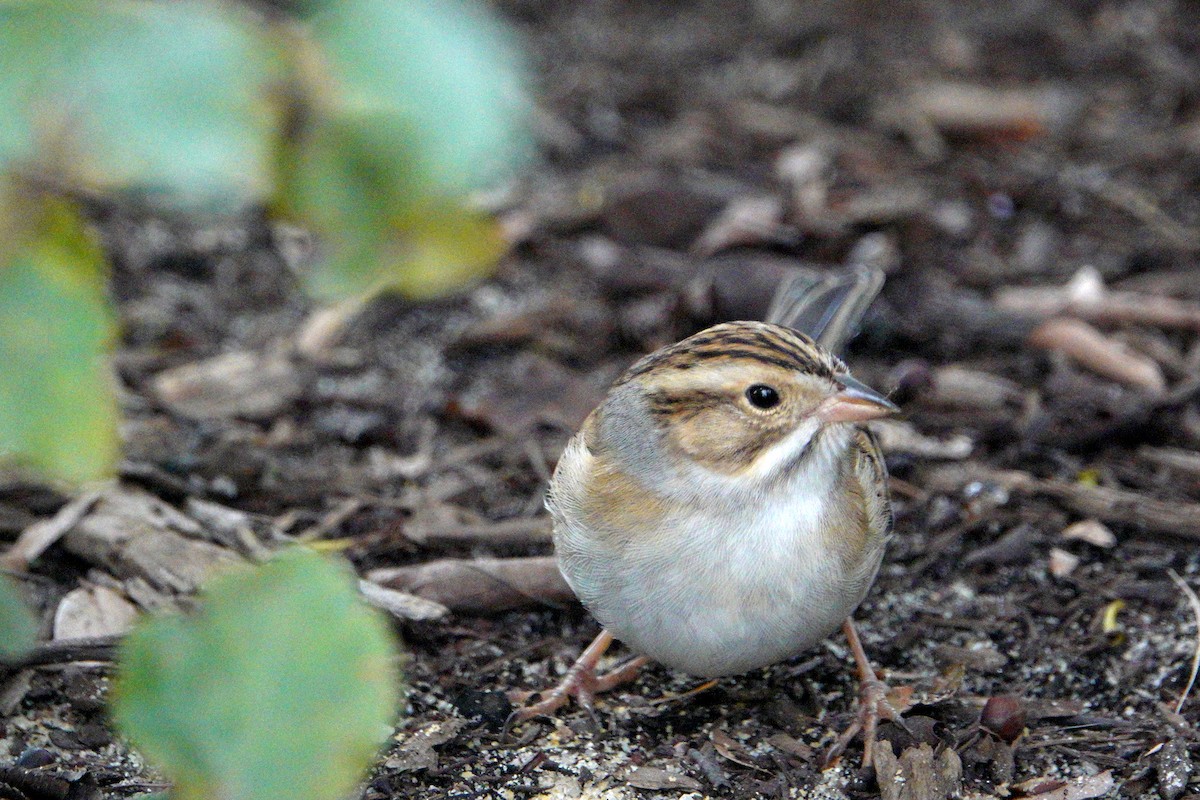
(580, 682)
(876, 701)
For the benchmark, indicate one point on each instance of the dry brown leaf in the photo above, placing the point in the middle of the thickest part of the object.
(657, 779)
(1077, 789)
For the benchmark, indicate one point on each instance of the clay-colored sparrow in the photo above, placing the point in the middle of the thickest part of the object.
(724, 509)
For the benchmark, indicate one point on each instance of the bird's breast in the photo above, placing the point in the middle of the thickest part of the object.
(710, 589)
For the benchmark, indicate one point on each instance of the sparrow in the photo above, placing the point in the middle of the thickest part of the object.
(724, 508)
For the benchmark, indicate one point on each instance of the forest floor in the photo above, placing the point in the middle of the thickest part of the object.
(1026, 174)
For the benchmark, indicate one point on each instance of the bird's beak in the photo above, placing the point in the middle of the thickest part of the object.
(856, 402)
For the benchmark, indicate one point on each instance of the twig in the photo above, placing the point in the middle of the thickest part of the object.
(959, 387)
(896, 436)
(401, 605)
(1195, 604)
(35, 539)
(332, 520)
(481, 586)
(1086, 297)
(1104, 356)
(67, 651)
(1173, 458)
(1127, 507)
(521, 531)
(1137, 204)
(962, 108)
(1110, 505)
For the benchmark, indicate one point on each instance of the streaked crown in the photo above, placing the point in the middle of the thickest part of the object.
(751, 342)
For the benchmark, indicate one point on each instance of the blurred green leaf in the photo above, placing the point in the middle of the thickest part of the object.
(445, 247)
(57, 409)
(416, 104)
(18, 217)
(444, 74)
(417, 245)
(17, 629)
(281, 687)
(170, 102)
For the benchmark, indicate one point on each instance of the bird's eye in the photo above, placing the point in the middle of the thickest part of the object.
(762, 396)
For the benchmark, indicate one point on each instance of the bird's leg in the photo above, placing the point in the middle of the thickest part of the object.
(580, 682)
(873, 703)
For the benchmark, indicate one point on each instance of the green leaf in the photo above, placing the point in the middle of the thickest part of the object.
(417, 245)
(170, 102)
(444, 247)
(415, 104)
(443, 73)
(17, 629)
(281, 687)
(57, 407)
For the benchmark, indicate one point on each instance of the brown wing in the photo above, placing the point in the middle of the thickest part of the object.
(872, 472)
(869, 479)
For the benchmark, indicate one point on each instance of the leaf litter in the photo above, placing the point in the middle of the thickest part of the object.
(989, 159)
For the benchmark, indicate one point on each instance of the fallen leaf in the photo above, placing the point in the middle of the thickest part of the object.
(1078, 789)
(657, 779)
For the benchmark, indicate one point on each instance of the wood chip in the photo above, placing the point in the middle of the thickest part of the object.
(131, 533)
(401, 605)
(897, 436)
(227, 526)
(1077, 789)
(320, 336)
(959, 387)
(975, 110)
(1062, 562)
(1091, 531)
(243, 384)
(416, 750)
(918, 773)
(731, 749)
(1173, 766)
(979, 657)
(1012, 547)
(91, 611)
(753, 220)
(792, 746)
(658, 780)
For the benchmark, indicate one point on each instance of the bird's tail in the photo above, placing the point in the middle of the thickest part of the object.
(828, 306)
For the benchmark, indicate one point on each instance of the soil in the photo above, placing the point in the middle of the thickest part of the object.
(967, 149)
